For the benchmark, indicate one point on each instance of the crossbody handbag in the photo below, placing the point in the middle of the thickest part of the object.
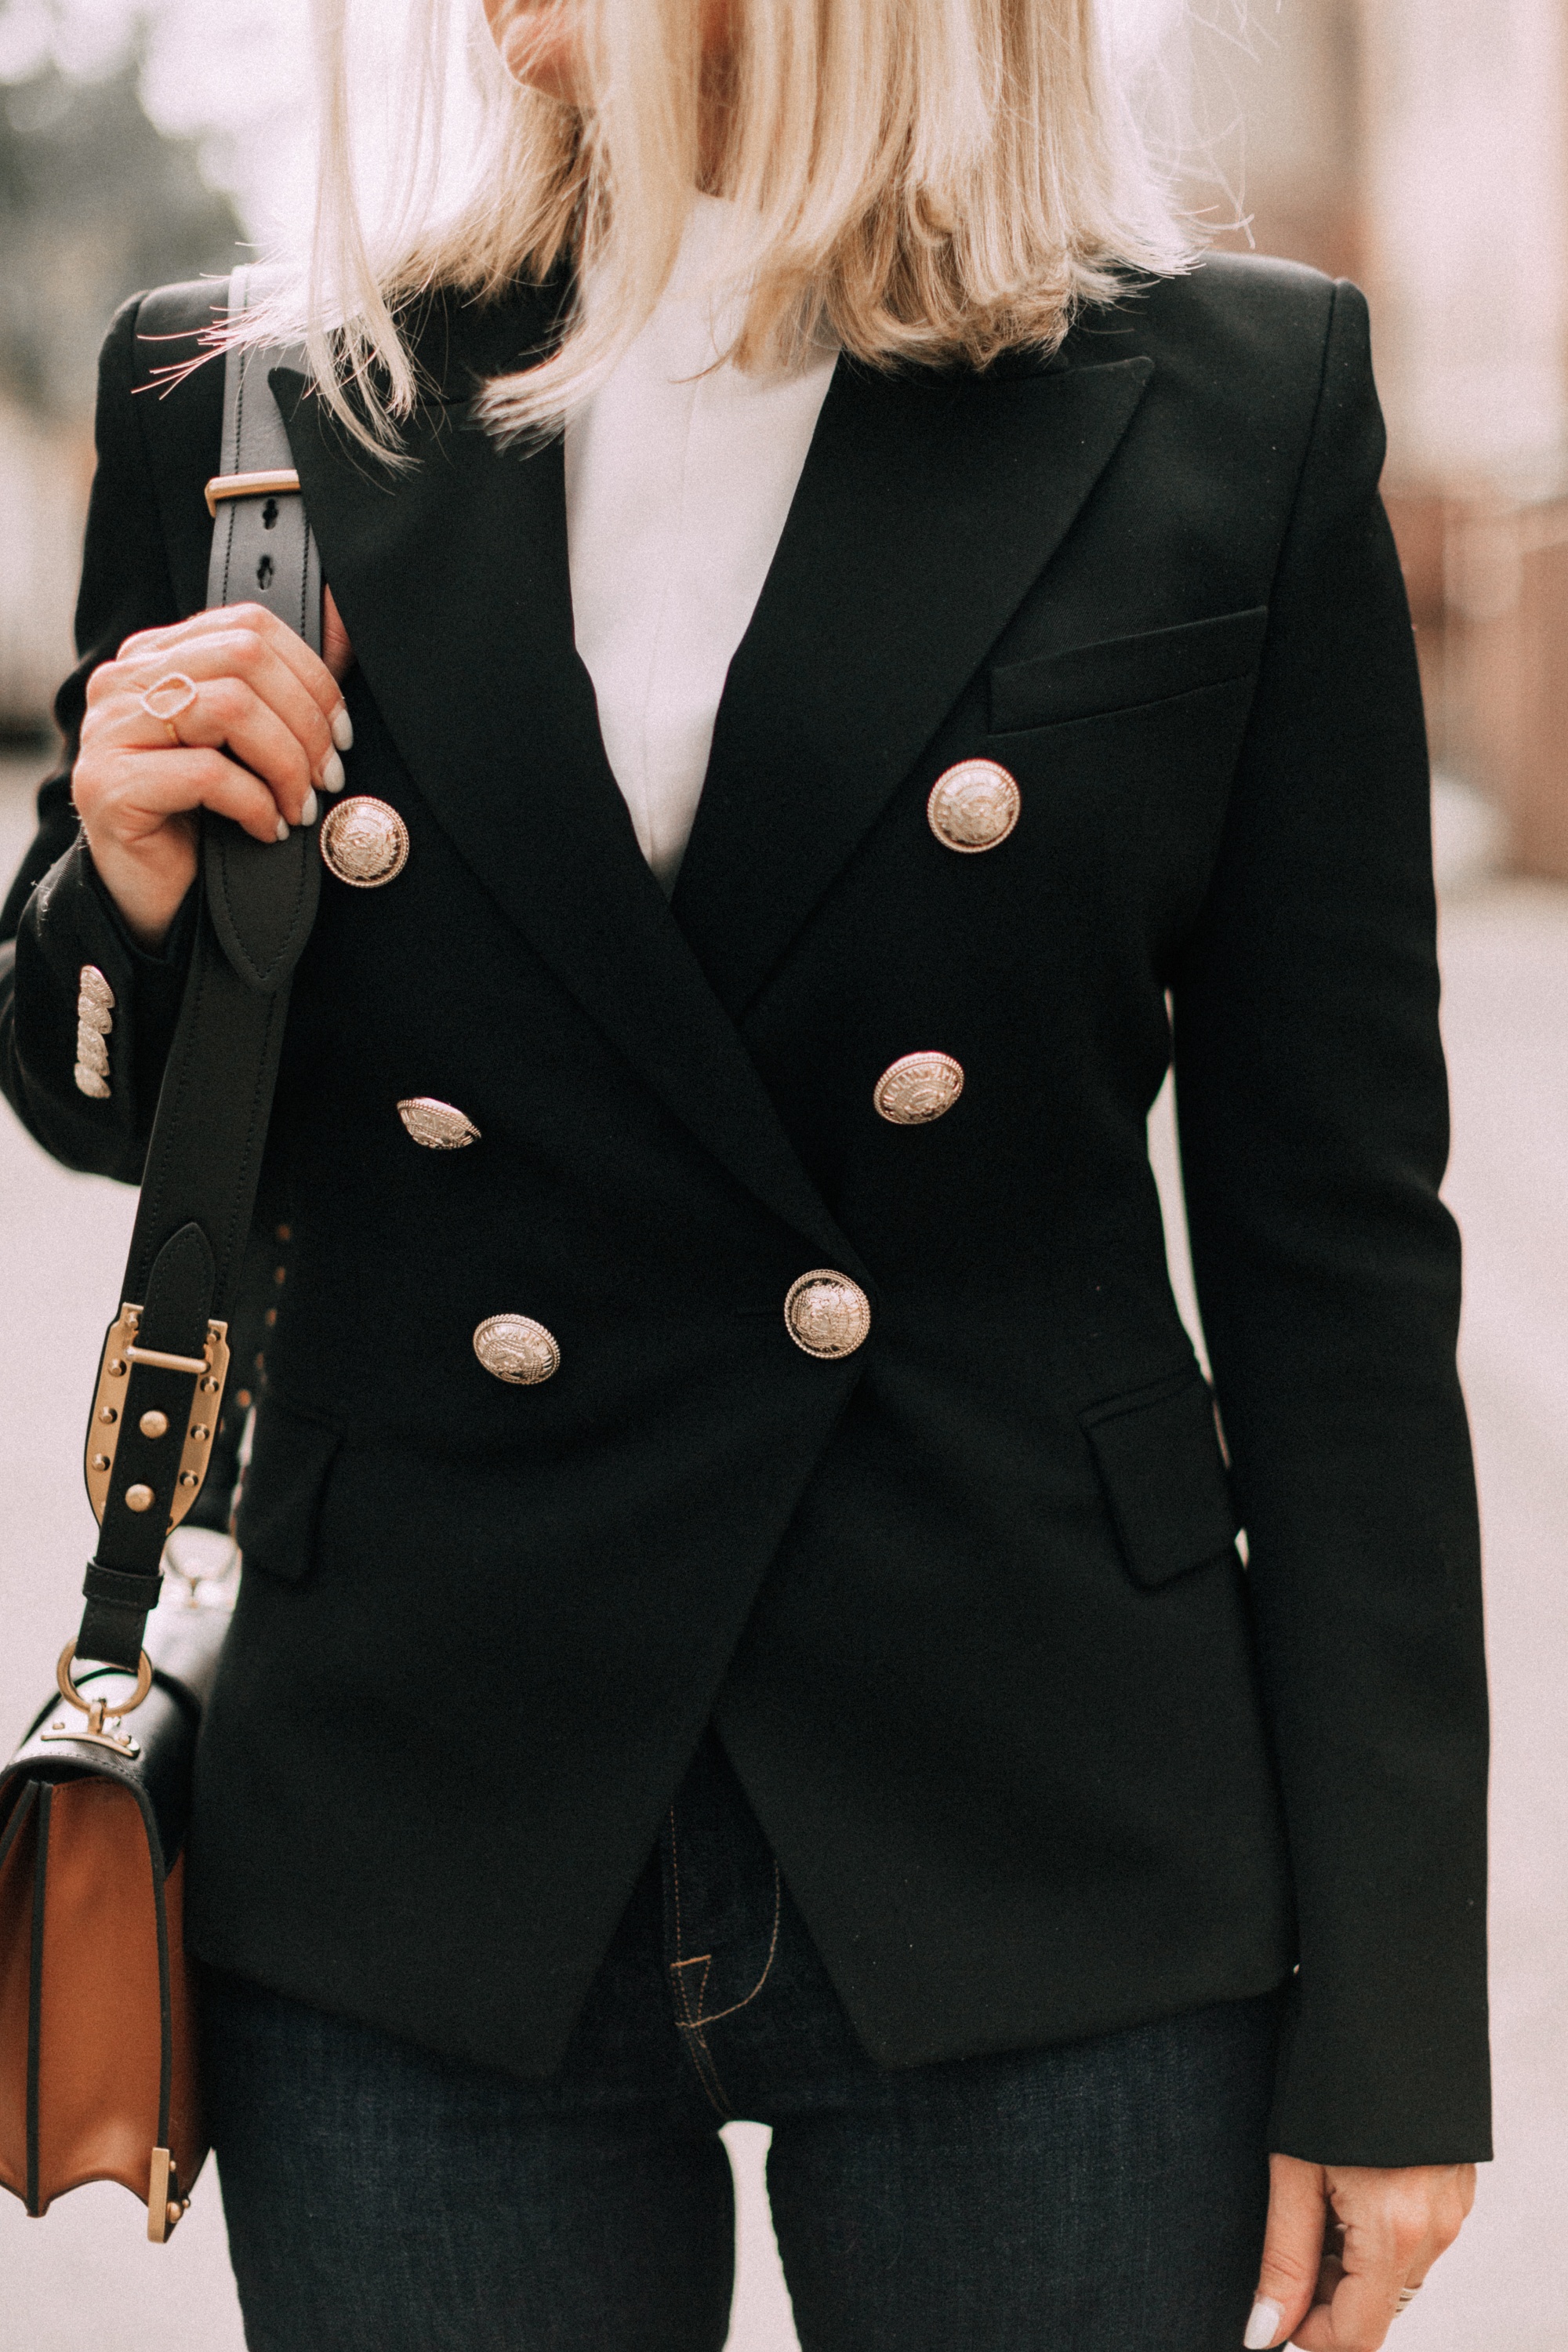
(98, 2030)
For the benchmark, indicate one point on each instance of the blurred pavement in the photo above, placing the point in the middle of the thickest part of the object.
(1504, 2289)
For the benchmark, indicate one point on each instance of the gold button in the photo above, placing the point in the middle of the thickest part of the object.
(93, 989)
(91, 1052)
(364, 843)
(974, 807)
(827, 1314)
(89, 1083)
(918, 1088)
(92, 1014)
(517, 1348)
(138, 1498)
(154, 1424)
(438, 1126)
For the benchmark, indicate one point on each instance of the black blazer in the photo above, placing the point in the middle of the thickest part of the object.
(1039, 1756)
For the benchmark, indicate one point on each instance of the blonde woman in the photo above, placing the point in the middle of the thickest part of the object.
(743, 1613)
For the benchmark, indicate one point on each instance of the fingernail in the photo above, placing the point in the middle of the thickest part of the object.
(283, 834)
(332, 775)
(1263, 2326)
(307, 811)
(342, 728)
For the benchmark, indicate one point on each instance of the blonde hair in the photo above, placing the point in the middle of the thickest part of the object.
(921, 180)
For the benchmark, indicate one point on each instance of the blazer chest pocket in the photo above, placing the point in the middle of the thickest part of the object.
(1163, 1476)
(281, 1501)
(1121, 673)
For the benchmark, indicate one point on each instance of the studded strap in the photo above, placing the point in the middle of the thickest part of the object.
(204, 1162)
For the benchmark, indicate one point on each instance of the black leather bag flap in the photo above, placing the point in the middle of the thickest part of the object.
(1119, 673)
(1158, 1455)
(281, 1499)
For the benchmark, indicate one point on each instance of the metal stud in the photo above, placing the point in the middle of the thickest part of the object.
(438, 1126)
(917, 1088)
(974, 807)
(153, 1424)
(827, 1314)
(516, 1348)
(138, 1498)
(364, 843)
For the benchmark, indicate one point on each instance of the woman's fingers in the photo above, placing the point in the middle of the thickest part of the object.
(222, 670)
(172, 783)
(248, 633)
(226, 715)
(1378, 2232)
(1292, 2252)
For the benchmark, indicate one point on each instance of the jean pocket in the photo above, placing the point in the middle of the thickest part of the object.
(1163, 1476)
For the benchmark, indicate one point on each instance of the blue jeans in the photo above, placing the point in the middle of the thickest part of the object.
(1103, 2196)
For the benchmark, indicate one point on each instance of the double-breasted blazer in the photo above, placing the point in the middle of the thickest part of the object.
(1041, 1754)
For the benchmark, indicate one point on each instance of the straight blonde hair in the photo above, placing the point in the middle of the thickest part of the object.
(925, 182)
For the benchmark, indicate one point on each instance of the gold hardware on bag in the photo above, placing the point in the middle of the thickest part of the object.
(165, 2206)
(279, 482)
(102, 1714)
(210, 1370)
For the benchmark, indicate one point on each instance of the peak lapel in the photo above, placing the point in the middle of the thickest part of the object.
(926, 508)
(454, 586)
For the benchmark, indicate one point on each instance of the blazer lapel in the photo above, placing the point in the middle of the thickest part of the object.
(452, 579)
(926, 508)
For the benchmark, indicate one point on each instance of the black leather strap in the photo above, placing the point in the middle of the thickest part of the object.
(204, 1162)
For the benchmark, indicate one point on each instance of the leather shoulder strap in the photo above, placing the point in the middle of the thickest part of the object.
(160, 1384)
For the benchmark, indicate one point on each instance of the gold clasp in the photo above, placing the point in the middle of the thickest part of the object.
(280, 482)
(165, 2206)
(102, 1718)
(210, 1370)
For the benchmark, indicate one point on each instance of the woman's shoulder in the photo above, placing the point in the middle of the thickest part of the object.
(1238, 308)
(1239, 345)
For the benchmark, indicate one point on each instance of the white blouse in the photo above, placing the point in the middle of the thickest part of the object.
(678, 485)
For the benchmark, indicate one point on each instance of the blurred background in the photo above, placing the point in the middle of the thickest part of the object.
(1419, 146)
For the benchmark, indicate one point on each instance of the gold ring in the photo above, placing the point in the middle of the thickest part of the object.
(1407, 2295)
(184, 691)
(122, 1706)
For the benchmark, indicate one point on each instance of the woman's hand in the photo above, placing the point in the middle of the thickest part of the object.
(1344, 2241)
(264, 727)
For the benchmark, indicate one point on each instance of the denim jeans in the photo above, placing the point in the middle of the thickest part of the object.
(1103, 2196)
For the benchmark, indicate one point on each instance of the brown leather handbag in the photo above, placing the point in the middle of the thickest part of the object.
(98, 2030)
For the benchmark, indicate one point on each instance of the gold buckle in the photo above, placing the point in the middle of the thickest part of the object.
(165, 2206)
(279, 483)
(102, 1718)
(210, 1370)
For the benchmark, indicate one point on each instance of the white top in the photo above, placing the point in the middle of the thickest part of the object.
(678, 485)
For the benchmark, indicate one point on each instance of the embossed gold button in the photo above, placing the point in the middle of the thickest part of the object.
(438, 1126)
(917, 1088)
(93, 989)
(92, 1014)
(364, 843)
(91, 1052)
(974, 807)
(153, 1424)
(89, 1082)
(827, 1314)
(517, 1348)
(138, 1498)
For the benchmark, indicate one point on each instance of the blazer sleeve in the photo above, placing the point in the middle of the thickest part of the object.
(57, 916)
(1313, 1113)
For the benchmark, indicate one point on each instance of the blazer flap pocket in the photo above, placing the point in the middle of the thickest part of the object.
(1122, 672)
(1158, 1455)
(281, 1500)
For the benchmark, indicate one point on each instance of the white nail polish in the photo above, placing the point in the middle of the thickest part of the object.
(1263, 2326)
(342, 728)
(309, 812)
(283, 834)
(332, 775)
